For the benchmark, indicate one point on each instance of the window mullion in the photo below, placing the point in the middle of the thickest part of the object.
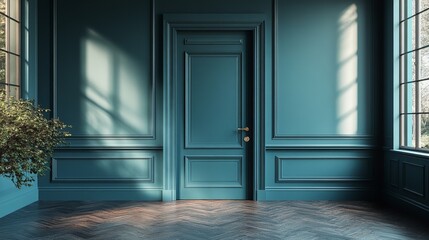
(417, 76)
(404, 130)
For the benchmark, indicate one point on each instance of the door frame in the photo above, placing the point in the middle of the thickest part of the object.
(172, 24)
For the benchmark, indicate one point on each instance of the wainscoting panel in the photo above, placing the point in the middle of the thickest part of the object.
(413, 178)
(321, 169)
(310, 174)
(407, 182)
(115, 174)
(103, 169)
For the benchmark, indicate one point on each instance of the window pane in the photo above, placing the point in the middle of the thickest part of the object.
(409, 130)
(13, 36)
(424, 29)
(2, 32)
(410, 67)
(424, 63)
(409, 92)
(14, 9)
(424, 96)
(410, 36)
(3, 6)
(13, 69)
(424, 131)
(2, 67)
(424, 4)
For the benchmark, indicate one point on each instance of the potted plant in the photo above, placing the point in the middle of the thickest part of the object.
(27, 139)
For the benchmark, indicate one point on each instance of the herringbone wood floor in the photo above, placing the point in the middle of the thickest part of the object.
(209, 220)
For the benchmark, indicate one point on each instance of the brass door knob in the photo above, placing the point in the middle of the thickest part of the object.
(246, 129)
(246, 139)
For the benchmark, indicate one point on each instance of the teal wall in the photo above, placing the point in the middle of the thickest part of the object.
(100, 68)
(320, 133)
(406, 174)
(104, 85)
(12, 199)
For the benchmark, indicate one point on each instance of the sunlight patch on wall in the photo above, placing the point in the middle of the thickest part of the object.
(129, 95)
(347, 76)
(98, 88)
(112, 96)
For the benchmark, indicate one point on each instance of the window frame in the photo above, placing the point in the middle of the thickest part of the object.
(12, 80)
(411, 128)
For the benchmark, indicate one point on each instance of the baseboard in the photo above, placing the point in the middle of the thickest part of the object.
(99, 194)
(313, 194)
(261, 195)
(18, 200)
(407, 204)
(168, 195)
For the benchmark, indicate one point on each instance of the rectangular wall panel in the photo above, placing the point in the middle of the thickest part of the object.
(304, 169)
(104, 83)
(322, 80)
(207, 171)
(103, 169)
(413, 178)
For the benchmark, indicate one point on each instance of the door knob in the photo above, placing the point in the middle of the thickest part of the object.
(246, 129)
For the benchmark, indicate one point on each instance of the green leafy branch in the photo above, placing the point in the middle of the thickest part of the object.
(27, 139)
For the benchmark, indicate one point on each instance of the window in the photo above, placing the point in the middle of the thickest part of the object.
(10, 47)
(414, 74)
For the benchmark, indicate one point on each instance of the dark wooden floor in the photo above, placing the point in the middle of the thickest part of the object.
(209, 220)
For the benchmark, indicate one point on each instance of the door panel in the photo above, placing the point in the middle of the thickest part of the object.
(210, 76)
(213, 102)
(196, 174)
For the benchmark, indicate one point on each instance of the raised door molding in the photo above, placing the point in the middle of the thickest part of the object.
(255, 23)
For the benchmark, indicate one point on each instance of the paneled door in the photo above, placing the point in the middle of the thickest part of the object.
(214, 101)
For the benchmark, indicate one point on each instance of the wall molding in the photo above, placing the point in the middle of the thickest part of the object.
(275, 135)
(99, 194)
(318, 147)
(280, 179)
(74, 139)
(90, 148)
(213, 41)
(319, 193)
(56, 178)
(109, 142)
(421, 156)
